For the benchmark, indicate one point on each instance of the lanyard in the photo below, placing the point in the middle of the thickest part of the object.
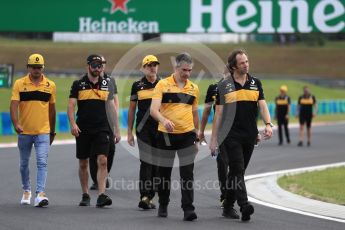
(95, 91)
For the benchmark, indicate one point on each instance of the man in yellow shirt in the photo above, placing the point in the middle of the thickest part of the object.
(175, 106)
(34, 121)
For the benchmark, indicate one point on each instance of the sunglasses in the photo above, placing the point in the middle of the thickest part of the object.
(96, 65)
(152, 64)
(35, 67)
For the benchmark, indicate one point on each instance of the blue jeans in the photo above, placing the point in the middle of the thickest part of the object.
(41, 143)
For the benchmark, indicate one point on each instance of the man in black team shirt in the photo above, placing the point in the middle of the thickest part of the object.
(238, 99)
(306, 110)
(283, 102)
(92, 93)
(111, 154)
(222, 166)
(146, 128)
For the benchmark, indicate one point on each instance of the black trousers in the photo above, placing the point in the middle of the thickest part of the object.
(148, 164)
(283, 122)
(93, 159)
(222, 169)
(238, 154)
(185, 147)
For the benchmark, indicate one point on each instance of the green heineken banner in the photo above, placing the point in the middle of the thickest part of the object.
(174, 16)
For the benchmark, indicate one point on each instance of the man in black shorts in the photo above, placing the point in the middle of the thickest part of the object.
(111, 154)
(306, 110)
(91, 129)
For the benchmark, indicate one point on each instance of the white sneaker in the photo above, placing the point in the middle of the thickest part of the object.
(26, 198)
(41, 200)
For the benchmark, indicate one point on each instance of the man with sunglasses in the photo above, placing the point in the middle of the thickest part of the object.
(94, 97)
(33, 116)
(111, 154)
(146, 129)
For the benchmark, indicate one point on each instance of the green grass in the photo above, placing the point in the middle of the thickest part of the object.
(271, 89)
(326, 185)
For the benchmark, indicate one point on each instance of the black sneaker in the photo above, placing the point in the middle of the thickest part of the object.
(246, 211)
(144, 203)
(189, 215)
(300, 144)
(94, 186)
(85, 200)
(103, 200)
(230, 213)
(308, 143)
(163, 210)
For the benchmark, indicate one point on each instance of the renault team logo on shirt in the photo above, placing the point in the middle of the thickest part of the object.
(118, 5)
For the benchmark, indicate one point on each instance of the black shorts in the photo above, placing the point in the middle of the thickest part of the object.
(88, 145)
(305, 119)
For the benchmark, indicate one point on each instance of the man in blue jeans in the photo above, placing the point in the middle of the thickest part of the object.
(34, 121)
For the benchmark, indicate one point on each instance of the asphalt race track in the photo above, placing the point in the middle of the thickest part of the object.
(64, 193)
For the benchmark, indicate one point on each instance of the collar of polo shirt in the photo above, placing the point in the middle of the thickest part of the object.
(171, 80)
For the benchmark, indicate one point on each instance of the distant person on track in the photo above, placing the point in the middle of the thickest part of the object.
(238, 99)
(111, 154)
(306, 110)
(95, 99)
(175, 106)
(282, 112)
(33, 116)
(146, 129)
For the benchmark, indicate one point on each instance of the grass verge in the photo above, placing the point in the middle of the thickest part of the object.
(325, 185)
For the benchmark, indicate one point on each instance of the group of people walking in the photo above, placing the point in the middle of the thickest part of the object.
(164, 114)
(306, 110)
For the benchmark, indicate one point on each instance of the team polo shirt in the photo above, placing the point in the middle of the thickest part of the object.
(142, 92)
(211, 95)
(282, 104)
(306, 103)
(177, 104)
(34, 104)
(92, 99)
(240, 107)
(112, 84)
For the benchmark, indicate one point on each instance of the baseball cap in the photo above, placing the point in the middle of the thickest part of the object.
(284, 88)
(36, 60)
(149, 59)
(93, 58)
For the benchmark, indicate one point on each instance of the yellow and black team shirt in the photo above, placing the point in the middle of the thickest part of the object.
(34, 104)
(306, 103)
(211, 95)
(240, 107)
(142, 92)
(282, 104)
(91, 99)
(177, 104)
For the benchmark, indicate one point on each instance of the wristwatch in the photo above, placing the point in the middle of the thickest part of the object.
(270, 124)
